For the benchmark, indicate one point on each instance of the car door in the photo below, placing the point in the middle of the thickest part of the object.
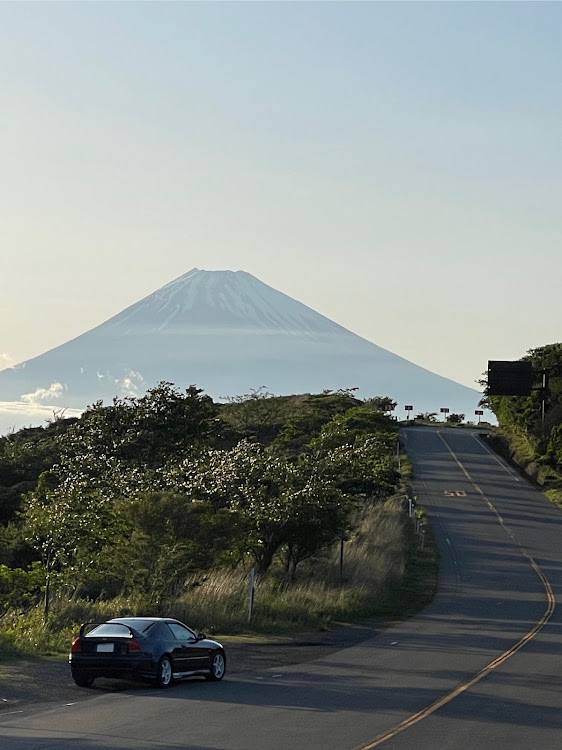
(185, 652)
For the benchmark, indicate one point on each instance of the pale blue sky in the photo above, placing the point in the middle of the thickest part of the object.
(396, 166)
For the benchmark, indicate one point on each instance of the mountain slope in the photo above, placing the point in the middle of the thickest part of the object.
(227, 332)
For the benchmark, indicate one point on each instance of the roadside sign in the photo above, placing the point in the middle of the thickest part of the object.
(506, 378)
(444, 410)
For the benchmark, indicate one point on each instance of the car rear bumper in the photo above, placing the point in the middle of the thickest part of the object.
(107, 666)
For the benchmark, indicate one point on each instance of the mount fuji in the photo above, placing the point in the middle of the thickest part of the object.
(228, 333)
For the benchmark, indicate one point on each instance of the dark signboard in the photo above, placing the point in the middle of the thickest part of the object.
(444, 410)
(409, 407)
(479, 412)
(510, 378)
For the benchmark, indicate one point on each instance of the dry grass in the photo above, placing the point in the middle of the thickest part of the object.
(374, 568)
(384, 574)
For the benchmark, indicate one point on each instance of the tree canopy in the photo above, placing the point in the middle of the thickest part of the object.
(184, 485)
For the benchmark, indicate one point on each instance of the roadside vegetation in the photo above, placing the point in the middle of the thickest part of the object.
(527, 435)
(162, 504)
(431, 417)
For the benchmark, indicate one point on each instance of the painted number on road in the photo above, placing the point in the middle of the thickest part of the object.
(456, 493)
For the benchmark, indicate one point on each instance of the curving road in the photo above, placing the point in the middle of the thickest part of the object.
(480, 668)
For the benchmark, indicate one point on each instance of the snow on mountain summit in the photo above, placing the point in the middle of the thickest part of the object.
(213, 301)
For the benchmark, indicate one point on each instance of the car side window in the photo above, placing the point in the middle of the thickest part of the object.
(180, 632)
(161, 630)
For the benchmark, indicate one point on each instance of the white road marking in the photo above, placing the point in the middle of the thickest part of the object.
(507, 469)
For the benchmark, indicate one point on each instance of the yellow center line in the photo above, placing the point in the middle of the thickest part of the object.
(424, 713)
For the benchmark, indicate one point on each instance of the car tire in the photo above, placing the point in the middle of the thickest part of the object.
(82, 679)
(218, 667)
(164, 676)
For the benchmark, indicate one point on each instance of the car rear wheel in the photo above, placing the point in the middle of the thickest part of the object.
(164, 675)
(81, 679)
(218, 667)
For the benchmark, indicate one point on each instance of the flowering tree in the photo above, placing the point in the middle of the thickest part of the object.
(68, 528)
(145, 470)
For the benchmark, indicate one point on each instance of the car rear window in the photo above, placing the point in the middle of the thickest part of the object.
(110, 630)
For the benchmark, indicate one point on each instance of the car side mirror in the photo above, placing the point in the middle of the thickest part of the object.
(201, 636)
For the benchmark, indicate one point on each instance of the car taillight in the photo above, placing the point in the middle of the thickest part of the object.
(76, 645)
(134, 646)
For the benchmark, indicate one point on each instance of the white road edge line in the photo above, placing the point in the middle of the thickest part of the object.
(507, 469)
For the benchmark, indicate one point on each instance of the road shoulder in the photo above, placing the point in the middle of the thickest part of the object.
(28, 682)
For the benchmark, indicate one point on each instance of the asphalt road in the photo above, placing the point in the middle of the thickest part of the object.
(481, 668)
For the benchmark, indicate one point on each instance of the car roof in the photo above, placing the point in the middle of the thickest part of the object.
(136, 619)
(143, 619)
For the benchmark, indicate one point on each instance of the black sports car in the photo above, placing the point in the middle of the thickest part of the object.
(159, 649)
